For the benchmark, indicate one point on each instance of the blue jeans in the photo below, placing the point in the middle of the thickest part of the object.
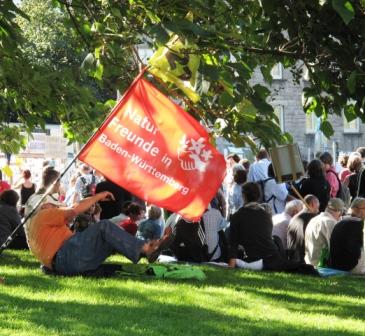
(87, 250)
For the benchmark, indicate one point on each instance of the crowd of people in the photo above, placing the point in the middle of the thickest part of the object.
(252, 222)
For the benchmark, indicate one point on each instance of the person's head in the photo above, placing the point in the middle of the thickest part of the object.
(293, 207)
(49, 176)
(361, 151)
(335, 207)
(154, 212)
(240, 176)
(245, 163)
(315, 169)
(232, 159)
(125, 206)
(354, 163)
(134, 211)
(357, 208)
(251, 192)
(327, 160)
(85, 169)
(236, 167)
(262, 154)
(343, 159)
(9, 197)
(27, 174)
(313, 203)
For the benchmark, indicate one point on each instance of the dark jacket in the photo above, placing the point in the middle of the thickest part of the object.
(318, 187)
(354, 184)
(346, 243)
(251, 227)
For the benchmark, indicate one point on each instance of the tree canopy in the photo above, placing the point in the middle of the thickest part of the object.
(230, 38)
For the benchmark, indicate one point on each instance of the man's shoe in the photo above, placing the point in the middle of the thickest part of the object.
(158, 246)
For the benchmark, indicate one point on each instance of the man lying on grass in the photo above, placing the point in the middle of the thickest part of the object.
(65, 252)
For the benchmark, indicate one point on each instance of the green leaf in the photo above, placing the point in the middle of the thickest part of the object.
(211, 71)
(225, 99)
(351, 82)
(262, 91)
(344, 9)
(349, 112)
(326, 128)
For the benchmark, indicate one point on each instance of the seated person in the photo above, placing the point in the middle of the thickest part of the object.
(89, 217)
(151, 228)
(122, 216)
(135, 213)
(65, 252)
(10, 219)
(199, 241)
(319, 230)
(275, 194)
(281, 220)
(297, 226)
(251, 227)
(49, 176)
(347, 240)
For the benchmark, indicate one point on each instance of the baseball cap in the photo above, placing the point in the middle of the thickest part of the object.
(336, 204)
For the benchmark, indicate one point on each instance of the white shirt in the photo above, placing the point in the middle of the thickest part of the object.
(280, 226)
(317, 236)
(277, 193)
(213, 222)
(258, 171)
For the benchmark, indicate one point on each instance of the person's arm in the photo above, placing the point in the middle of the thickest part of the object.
(87, 202)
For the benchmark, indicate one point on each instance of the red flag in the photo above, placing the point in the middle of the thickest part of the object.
(160, 153)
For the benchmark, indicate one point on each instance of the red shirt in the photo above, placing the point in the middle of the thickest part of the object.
(4, 186)
(129, 226)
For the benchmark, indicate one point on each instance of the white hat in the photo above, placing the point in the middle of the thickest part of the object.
(34, 199)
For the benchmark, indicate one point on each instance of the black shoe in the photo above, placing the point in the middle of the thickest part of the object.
(162, 244)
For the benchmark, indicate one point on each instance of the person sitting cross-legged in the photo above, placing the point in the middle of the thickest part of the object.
(318, 233)
(68, 253)
(281, 220)
(251, 227)
(297, 227)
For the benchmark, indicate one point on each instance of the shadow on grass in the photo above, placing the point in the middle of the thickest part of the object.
(147, 318)
(125, 310)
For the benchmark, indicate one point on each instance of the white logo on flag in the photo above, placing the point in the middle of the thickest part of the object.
(193, 154)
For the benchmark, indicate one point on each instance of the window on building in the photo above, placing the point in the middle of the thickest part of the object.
(311, 123)
(279, 111)
(277, 71)
(351, 126)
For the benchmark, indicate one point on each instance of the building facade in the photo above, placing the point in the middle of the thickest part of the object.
(287, 101)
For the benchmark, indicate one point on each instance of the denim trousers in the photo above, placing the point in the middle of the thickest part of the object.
(87, 250)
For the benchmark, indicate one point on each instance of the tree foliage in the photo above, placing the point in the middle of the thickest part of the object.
(232, 39)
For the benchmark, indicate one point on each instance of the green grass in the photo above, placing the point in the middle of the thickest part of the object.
(228, 302)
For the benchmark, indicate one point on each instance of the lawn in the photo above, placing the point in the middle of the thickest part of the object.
(228, 302)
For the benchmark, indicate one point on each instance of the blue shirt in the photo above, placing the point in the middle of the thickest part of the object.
(149, 229)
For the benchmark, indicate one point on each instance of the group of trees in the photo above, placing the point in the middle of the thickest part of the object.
(64, 60)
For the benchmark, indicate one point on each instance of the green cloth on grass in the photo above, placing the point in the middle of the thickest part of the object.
(161, 271)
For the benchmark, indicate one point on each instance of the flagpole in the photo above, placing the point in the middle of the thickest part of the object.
(48, 191)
